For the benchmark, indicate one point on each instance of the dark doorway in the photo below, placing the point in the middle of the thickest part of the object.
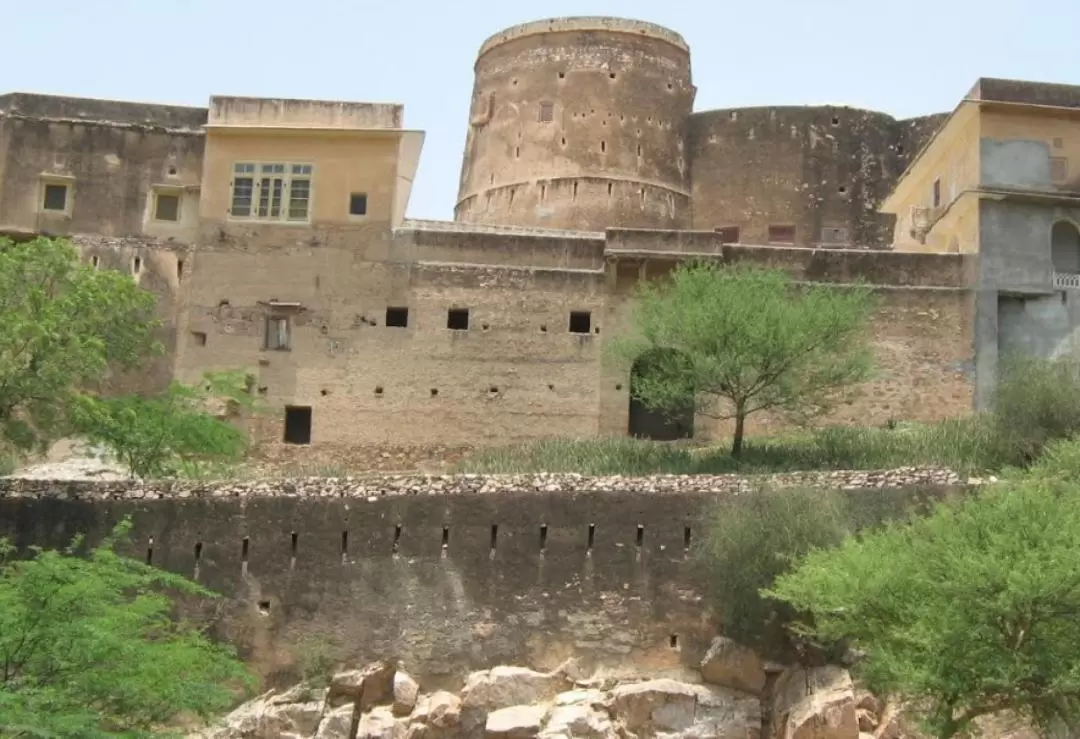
(297, 424)
(657, 425)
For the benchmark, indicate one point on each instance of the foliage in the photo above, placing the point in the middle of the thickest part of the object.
(88, 647)
(1037, 401)
(171, 432)
(969, 611)
(964, 445)
(65, 324)
(751, 539)
(740, 340)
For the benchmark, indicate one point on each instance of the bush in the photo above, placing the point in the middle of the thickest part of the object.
(965, 612)
(1037, 401)
(751, 540)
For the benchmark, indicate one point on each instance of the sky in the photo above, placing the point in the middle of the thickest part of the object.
(903, 58)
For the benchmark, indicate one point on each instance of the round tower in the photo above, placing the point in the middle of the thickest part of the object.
(578, 123)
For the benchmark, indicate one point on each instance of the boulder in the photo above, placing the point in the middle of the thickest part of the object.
(336, 724)
(405, 693)
(272, 715)
(373, 686)
(380, 723)
(814, 703)
(662, 705)
(731, 665)
(578, 720)
(515, 722)
(441, 710)
(502, 687)
(721, 713)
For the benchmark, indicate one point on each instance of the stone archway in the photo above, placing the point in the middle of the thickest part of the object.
(646, 423)
(1065, 248)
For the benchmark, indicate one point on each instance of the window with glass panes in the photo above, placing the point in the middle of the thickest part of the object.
(269, 191)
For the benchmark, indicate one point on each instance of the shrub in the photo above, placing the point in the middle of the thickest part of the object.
(752, 539)
(965, 612)
(1037, 401)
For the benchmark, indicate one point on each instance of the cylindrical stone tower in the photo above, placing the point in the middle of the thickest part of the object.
(579, 123)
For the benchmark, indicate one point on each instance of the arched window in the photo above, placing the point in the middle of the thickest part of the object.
(1065, 248)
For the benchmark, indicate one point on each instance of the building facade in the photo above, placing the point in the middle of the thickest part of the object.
(275, 234)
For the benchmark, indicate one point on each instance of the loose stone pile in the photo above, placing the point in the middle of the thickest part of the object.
(400, 485)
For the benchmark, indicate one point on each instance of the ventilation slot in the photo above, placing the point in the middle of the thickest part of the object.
(397, 539)
(640, 536)
(344, 546)
(445, 538)
(292, 549)
(543, 537)
(686, 539)
(592, 538)
(494, 537)
(198, 558)
(150, 551)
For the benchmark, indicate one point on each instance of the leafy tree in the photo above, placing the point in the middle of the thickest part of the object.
(966, 612)
(88, 647)
(157, 435)
(739, 340)
(65, 324)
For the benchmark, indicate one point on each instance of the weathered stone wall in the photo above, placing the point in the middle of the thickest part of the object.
(446, 574)
(608, 150)
(821, 170)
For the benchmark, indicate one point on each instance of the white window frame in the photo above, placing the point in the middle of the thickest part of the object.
(68, 183)
(272, 187)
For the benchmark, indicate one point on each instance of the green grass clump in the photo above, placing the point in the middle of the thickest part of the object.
(965, 445)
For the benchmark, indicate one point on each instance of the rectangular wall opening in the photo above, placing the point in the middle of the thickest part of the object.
(457, 319)
(297, 424)
(397, 317)
(580, 322)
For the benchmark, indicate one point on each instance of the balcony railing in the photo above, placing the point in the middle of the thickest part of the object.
(1066, 281)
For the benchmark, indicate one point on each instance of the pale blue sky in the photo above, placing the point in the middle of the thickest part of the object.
(905, 58)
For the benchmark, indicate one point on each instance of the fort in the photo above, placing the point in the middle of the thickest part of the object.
(275, 234)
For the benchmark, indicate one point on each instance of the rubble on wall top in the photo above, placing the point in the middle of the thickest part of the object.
(376, 487)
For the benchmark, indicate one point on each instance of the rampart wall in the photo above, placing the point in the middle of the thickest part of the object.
(446, 574)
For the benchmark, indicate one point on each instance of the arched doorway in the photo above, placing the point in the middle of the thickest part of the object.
(658, 425)
(1065, 248)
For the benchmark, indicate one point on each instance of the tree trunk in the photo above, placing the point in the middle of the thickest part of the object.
(740, 425)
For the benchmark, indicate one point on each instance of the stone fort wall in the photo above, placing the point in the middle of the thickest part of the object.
(446, 574)
(586, 123)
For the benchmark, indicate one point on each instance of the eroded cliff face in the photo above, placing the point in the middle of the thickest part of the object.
(737, 696)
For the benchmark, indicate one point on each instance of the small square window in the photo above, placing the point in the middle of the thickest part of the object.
(55, 197)
(547, 112)
(781, 234)
(397, 317)
(728, 234)
(580, 322)
(199, 337)
(166, 207)
(358, 204)
(457, 319)
(277, 333)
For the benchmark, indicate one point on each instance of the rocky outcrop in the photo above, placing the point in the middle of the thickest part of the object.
(382, 702)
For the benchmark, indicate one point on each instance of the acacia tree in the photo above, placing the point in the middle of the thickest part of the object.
(64, 325)
(966, 612)
(157, 435)
(739, 340)
(89, 648)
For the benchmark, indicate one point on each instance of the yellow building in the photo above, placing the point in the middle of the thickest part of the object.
(1001, 179)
